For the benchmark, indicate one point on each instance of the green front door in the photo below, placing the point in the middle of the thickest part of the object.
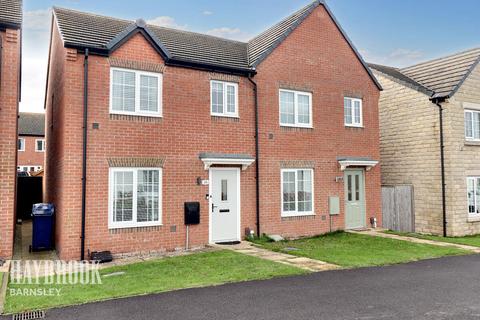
(354, 199)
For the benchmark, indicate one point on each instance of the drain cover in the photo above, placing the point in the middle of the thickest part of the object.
(29, 315)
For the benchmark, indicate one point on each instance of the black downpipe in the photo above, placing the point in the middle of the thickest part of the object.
(257, 155)
(84, 160)
(442, 159)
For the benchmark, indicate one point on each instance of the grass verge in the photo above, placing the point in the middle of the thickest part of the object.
(473, 241)
(195, 270)
(355, 250)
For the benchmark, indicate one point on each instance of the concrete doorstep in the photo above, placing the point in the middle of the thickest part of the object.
(300, 262)
(380, 233)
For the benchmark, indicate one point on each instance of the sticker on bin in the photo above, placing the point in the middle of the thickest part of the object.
(43, 209)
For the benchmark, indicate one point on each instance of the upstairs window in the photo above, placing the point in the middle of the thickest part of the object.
(223, 99)
(295, 108)
(40, 145)
(21, 144)
(353, 112)
(472, 125)
(135, 92)
(473, 192)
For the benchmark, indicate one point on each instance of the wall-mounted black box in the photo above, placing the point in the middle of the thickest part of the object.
(192, 213)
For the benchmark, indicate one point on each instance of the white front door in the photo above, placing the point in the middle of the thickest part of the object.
(224, 205)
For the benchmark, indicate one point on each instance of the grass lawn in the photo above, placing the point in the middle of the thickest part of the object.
(473, 241)
(195, 270)
(355, 250)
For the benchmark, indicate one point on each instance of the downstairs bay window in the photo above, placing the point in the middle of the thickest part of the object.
(135, 197)
(297, 192)
(473, 192)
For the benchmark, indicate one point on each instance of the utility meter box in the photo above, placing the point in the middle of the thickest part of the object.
(334, 205)
(192, 213)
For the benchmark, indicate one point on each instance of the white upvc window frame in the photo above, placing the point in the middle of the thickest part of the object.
(354, 124)
(133, 224)
(296, 213)
(225, 112)
(297, 124)
(475, 186)
(24, 141)
(36, 145)
(138, 112)
(472, 137)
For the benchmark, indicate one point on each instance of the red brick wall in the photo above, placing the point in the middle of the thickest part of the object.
(186, 130)
(316, 58)
(9, 96)
(324, 64)
(30, 157)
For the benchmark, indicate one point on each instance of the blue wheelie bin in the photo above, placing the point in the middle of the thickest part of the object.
(43, 222)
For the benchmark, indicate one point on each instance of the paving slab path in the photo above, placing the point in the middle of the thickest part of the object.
(299, 262)
(381, 233)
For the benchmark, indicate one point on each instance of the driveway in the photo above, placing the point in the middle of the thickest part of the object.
(447, 288)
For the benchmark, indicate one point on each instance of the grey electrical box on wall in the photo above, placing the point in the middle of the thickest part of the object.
(334, 205)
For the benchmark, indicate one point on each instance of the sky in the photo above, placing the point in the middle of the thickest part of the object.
(390, 32)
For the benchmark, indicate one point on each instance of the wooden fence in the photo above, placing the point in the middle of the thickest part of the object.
(398, 208)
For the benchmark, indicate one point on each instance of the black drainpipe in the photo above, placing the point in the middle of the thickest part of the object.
(442, 159)
(257, 156)
(84, 159)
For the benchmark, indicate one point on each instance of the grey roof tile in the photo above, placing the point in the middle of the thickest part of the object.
(31, 124)
(81, 30)
(444, 75)
(260, 46)
(95, 31)
(395, 75)
(11, 13)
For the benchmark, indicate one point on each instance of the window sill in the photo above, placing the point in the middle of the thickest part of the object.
(113, 227)
(354, 127)
(217, 115)
(472, 143)
(134, 114)
(295, 126)
(297, 215)
(473, 219)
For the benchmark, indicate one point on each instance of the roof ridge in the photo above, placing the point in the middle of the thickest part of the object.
(441, 58)
(148, 24)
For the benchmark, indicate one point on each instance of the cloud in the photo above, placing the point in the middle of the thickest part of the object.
(229, 33)
(168, 22)
(399, 57)
(36, 39)
(207, 13)
(37, 20)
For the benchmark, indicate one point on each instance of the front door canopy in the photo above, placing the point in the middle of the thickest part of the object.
(346, 162)
(212, 159)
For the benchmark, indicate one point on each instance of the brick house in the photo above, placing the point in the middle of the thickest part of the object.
(10, 53)
(412, 133)
(31, 142)
(173, 116)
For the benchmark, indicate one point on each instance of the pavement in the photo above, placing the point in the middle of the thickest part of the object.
(446, 288)
(308, 264)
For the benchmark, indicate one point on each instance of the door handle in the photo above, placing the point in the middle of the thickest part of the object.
(213, 207)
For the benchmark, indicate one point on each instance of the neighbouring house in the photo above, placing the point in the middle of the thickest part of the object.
(411, 104)
(31, 142)
(271, 135)
(10, 69)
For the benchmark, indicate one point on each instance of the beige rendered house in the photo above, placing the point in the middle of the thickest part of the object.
(425, 108)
